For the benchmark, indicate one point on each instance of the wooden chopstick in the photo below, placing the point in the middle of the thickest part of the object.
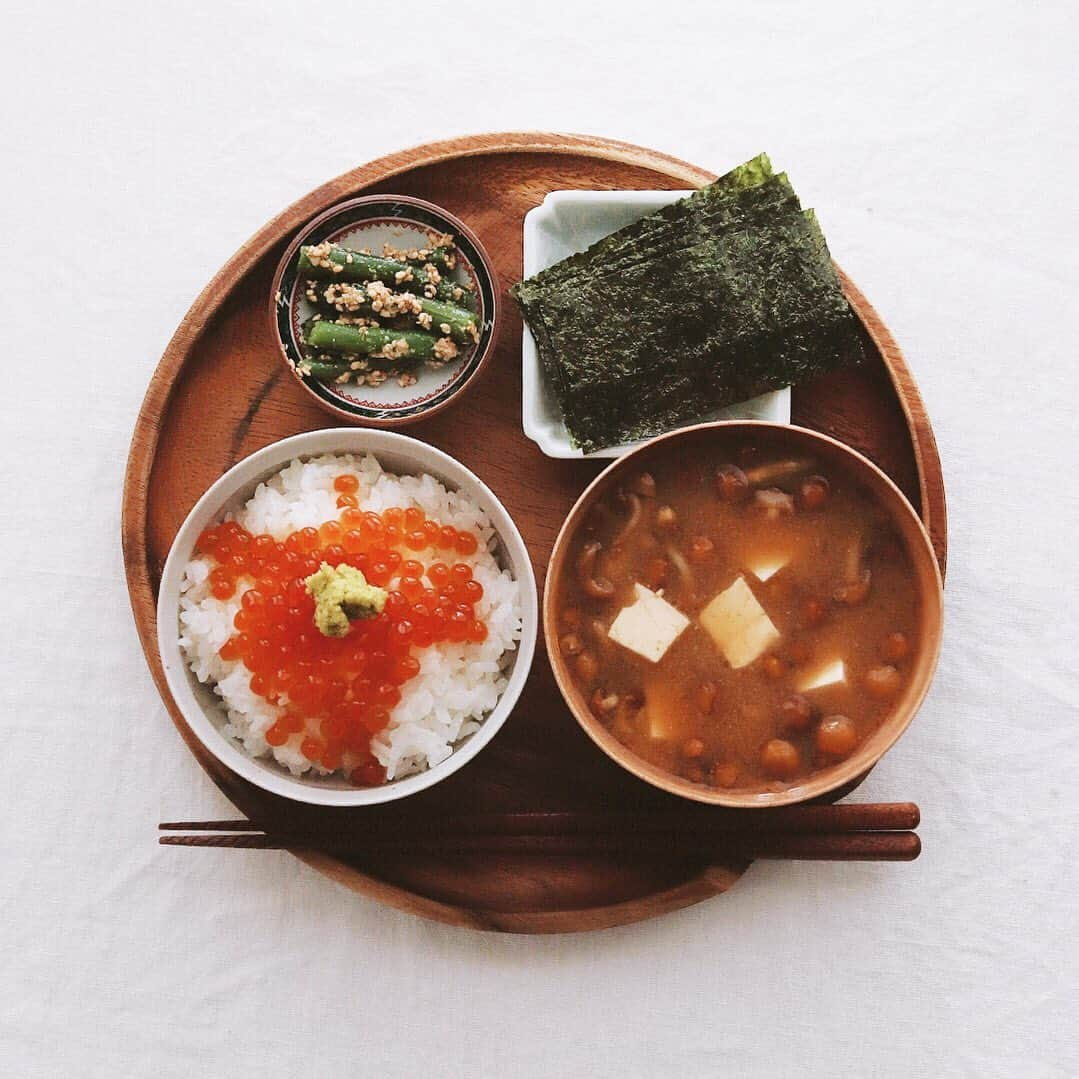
(865, 817)
(846, 846)
(873, 831)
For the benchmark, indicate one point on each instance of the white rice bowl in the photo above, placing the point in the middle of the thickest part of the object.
(458, 684)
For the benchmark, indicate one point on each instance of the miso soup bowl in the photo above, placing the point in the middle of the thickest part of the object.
(707, 438)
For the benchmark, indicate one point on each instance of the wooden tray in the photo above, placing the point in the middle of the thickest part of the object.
(221, 392)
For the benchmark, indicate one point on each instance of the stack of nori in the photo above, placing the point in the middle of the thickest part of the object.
(714, 299)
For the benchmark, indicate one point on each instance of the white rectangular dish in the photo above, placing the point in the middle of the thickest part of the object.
(567, 222)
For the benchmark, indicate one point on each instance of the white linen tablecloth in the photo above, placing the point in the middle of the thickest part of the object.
(143, 143)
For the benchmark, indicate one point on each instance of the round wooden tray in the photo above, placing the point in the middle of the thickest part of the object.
(222, 392)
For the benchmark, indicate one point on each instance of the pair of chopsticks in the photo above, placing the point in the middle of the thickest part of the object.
(868, 832)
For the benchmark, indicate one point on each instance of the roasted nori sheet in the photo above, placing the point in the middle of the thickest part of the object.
(637, 236)
(766, 203)
(714, 299)
(751, 282)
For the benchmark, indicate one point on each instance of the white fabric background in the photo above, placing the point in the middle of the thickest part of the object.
(142, 144)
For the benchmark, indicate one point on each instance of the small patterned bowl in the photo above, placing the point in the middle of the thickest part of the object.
(368, 223)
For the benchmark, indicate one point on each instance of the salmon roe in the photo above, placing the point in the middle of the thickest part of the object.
(336, 693)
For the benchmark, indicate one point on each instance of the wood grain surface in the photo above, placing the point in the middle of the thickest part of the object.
(221, 392)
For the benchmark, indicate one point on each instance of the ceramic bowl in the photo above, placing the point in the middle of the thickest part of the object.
(567, 222)
(201, 707)
(692, 442)
(368, 223)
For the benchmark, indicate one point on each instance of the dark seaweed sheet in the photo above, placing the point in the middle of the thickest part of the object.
(642, 409)
(753, 282)
(637, 235)
(769, 203)
(771, 200)
(715, 299)
(749, 312)
(721, 205)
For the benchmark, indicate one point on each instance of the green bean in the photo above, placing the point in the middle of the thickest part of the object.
(332, 262)
(323, 335)
(335, 263)
(461, 323)
(442, 258)
(319, 369)
(454, 292)
(347, 298)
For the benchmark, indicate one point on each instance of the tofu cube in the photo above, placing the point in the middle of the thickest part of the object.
(648, 626)
(739, 624)
(767, 568)
(664, 709)
(831, 674)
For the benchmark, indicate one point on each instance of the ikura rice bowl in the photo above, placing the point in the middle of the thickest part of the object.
(399, 690)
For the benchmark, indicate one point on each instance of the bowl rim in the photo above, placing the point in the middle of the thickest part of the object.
(242, 477)
(486, 267)
(815, 785)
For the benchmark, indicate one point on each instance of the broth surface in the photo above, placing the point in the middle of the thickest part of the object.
(820, 558)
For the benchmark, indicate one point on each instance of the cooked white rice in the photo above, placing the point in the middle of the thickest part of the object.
(457, 685)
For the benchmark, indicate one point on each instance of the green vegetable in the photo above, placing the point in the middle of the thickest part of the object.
(332, 262)
(323, 370)
(448, 290)
(461, 323)
(442, 258)
(348, 298)
(325, 336)
(319, 260)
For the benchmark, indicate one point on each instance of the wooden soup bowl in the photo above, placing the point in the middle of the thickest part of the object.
(687, 444)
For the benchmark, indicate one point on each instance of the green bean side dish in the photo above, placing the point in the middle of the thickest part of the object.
(377, 316)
